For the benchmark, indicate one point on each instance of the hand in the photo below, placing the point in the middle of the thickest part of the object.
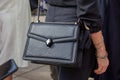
(102, 58)
(103, 62)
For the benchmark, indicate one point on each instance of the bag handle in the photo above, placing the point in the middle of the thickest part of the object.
(38, 10)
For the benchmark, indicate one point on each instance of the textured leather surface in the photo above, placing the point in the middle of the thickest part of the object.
(64, 38)
(7, 69)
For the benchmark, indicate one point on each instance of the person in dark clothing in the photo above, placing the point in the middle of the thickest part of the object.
(87, 11)
(33, 4)
(111, 31)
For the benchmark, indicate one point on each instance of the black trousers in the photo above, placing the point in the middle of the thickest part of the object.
(111, 33)
(62, 14)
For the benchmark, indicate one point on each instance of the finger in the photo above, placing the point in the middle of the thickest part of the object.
(102, 69)
(99, 70)
(105, 67)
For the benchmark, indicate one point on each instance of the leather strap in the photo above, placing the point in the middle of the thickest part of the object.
(38, 10)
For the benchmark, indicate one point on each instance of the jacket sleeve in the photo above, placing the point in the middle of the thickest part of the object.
(88, 12)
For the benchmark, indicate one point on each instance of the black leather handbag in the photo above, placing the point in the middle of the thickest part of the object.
(52, 43)
(55, 43)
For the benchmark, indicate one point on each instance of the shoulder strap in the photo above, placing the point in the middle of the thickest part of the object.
(38, 10)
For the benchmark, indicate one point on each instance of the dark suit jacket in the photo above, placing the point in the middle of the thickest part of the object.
(87, 10)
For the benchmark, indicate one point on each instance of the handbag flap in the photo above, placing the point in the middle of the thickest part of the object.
(58, 32)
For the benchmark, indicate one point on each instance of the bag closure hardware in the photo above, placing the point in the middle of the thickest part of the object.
(49, 42)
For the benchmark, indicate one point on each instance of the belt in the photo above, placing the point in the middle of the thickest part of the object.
(66, 6)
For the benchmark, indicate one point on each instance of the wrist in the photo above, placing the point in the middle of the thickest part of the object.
(102, 57)
(102, 54)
